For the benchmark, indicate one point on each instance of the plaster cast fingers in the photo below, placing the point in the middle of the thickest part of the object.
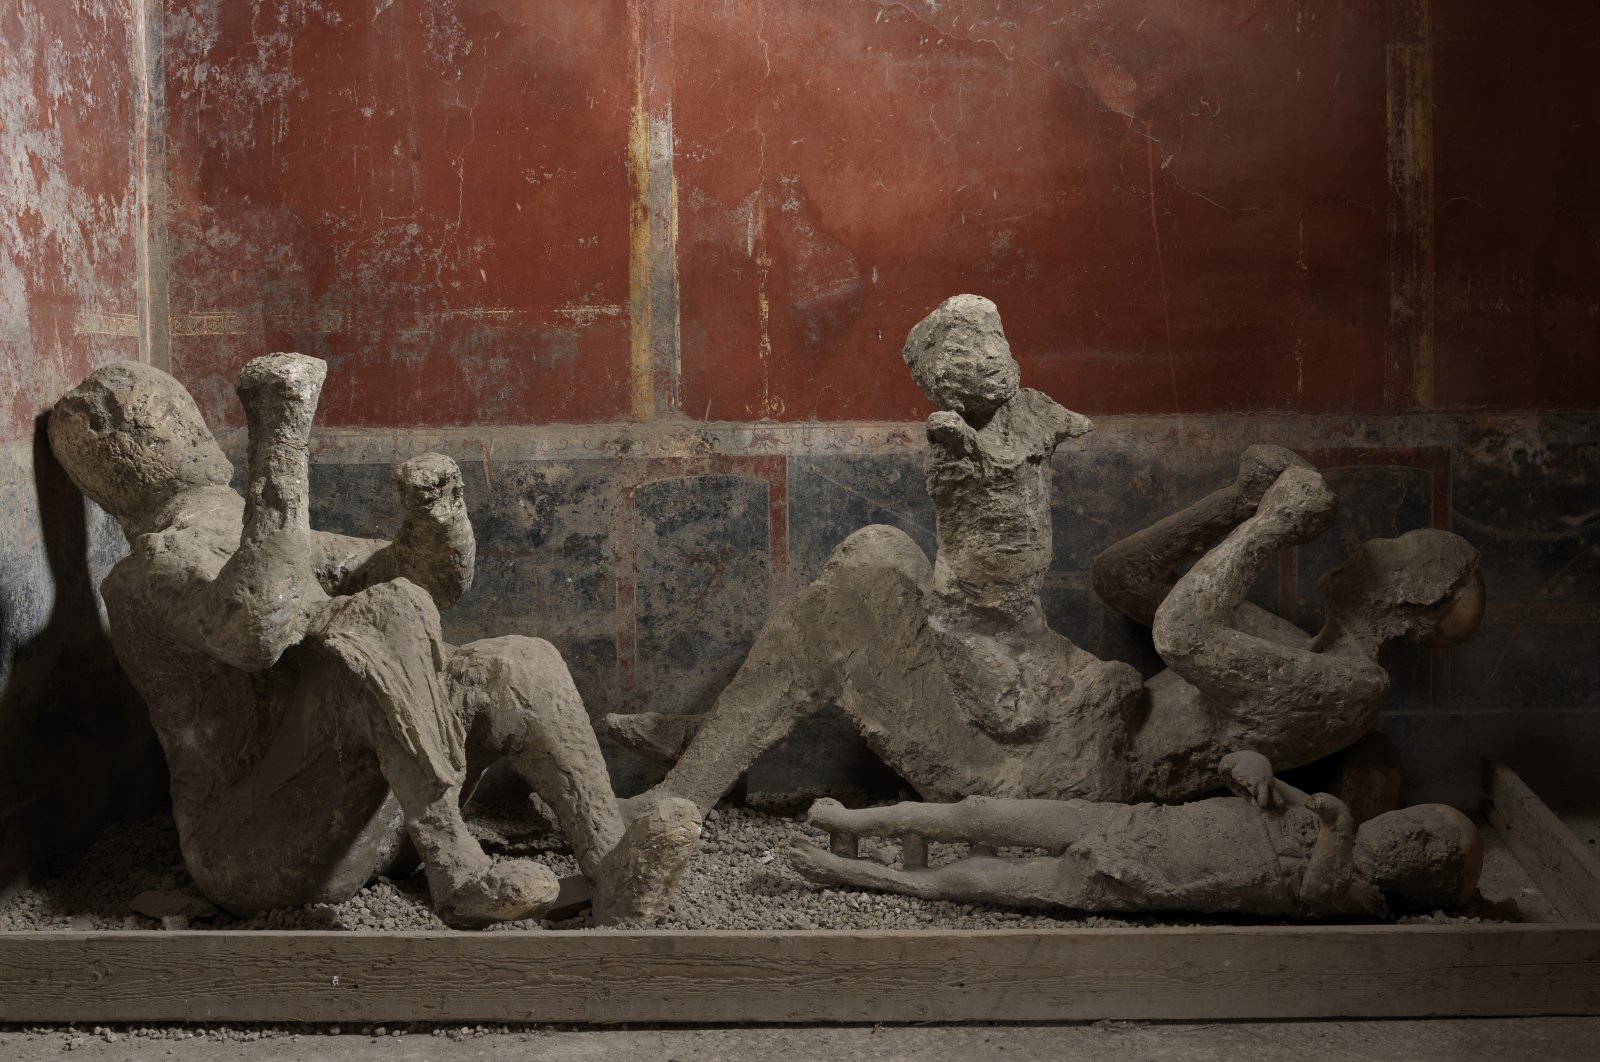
(1249, 775)
(1331, 812)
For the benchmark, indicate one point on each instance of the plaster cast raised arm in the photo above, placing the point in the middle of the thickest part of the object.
(434, 547)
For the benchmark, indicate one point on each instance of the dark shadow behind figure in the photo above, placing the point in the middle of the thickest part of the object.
(76, 746)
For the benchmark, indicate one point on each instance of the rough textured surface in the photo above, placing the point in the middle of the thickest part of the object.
(1268, 850)
(1243, 678)
(69, 199)
(73, 745)
(952, 674)
(1450, 1040)
(299, 681)
(739, 879)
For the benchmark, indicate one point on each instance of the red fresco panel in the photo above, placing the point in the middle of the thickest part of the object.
(68, 200)
(432, 195)
(1177, 207)
(1516, 149)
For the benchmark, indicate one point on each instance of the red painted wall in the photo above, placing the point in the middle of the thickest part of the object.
(534, 211)
(1177, 208)
(1517, 158)
(68, 200)
(433, 196)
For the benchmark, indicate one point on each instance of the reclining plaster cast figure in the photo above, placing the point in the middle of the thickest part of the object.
(1270, 850)
(299, 682)
(952, 675)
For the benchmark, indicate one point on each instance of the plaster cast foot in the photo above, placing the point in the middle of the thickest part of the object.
(655, 734)
(500, 892)
(1259, 468)
(1297, 507)
(635, 880)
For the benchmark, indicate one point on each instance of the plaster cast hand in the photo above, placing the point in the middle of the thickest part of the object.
(1259, 468)
(951, 431)
(1330, 884)
(435, 547)
(1249, 775)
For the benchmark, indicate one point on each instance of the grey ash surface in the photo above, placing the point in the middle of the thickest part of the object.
(738, 880)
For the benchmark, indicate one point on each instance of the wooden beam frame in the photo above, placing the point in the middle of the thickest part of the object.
(1167, 973)
(1557, 861)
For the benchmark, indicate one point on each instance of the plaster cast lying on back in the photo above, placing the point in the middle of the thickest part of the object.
(299, 681)
(955, 679)
(1269, 850)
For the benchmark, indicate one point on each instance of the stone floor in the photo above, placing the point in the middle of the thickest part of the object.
(1499, 1040)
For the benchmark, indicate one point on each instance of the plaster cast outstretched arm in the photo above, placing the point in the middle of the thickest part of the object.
(1194, 631)
(434, 548)
(261, 600)
(1135, 575)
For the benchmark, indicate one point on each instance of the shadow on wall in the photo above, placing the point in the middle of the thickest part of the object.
(76, 746)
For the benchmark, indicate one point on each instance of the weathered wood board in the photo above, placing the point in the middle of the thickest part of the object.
(1557, 861)
(1158, 973)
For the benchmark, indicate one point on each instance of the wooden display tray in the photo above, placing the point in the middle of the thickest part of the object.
(1224, 972)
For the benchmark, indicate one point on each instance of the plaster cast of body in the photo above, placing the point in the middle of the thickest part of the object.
(1269, 850)
(299, 682)
(952, 675)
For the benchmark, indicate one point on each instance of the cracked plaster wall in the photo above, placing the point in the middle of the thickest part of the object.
(74, 744)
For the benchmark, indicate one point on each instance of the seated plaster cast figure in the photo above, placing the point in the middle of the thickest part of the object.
(1270, 850)
(952, 675)
(299, 682)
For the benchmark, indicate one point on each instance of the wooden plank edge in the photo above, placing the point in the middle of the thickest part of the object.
(1559, 863)
(1164, 973)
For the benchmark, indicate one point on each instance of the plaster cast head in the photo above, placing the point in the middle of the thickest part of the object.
(1425, 856)
(131, 438)
(1424, 585)
(959, 357)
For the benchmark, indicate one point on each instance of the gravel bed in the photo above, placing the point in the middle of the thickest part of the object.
(738, 880)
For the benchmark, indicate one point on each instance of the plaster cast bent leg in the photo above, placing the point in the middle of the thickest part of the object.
(520, 698)
(1135, 574)
(388, 637)
(795, 668)
(1288, 702)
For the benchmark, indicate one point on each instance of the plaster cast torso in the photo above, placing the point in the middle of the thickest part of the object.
(240, 742)
(1059, 711)
(1218, 855)
(991, 490)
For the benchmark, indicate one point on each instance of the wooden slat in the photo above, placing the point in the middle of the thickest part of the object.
(1158, 973)
(1557, 861)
